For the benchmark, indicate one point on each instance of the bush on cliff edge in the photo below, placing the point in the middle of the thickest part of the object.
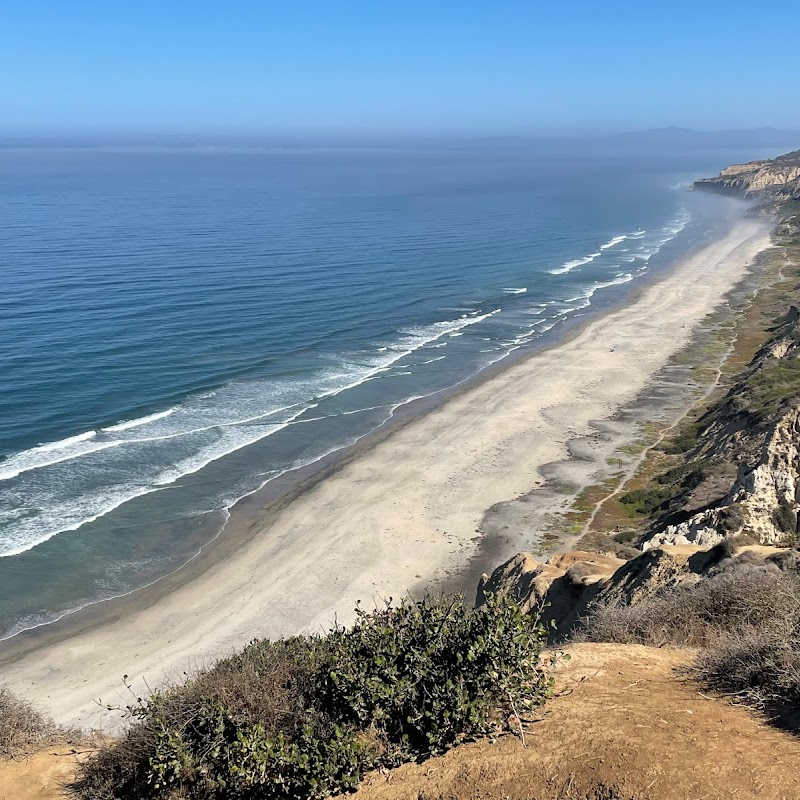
(305, 717)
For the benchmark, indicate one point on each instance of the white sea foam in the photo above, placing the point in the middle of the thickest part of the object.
(613, 241)
(74, 513)
(511, 290)
(38, 457)
(64, 443)
(199, 432)
(578, 262)
(583, 300)
(623, 277)
(135, 423)
(568, 266)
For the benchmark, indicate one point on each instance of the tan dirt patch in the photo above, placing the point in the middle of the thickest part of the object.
(631, 728)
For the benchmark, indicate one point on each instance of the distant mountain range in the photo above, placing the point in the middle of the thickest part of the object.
(744, 137)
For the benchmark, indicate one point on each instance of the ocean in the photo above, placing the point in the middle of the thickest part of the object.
(180, 328)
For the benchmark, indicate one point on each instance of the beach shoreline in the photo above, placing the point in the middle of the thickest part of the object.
(408, 510)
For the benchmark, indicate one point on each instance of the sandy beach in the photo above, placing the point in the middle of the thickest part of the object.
(404, 513)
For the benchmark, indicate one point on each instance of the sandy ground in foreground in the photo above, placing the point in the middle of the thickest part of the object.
(627, 726)
(406, 510)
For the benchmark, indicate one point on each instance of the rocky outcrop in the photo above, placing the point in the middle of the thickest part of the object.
(761, 502)
(560, 587)
(566, 587)
(774, 179)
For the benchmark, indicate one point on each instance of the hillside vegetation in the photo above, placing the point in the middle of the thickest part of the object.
(306, 717)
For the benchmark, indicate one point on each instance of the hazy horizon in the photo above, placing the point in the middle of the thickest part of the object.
(669, 136)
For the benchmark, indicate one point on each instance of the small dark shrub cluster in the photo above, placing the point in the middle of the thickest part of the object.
(665, 488)
(685, 439)
(22, 726)
(626, 537)
(731, 518)
(785, 517)
(305, 717)
(648, 500)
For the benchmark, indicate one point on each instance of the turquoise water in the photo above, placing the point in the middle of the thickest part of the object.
(179, 328)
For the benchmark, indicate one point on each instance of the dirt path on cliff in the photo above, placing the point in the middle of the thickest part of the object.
(630, 729)
(40, 776)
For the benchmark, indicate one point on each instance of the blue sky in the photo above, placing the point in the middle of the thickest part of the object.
(366, 68)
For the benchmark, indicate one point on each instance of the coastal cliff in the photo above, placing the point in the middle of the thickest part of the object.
(742, 474)
(729, 499)
(776, 179)
(568, 588)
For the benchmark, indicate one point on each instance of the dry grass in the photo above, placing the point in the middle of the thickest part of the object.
(264, 685)
(733, 603)
(745, 618)
(761, 667)
(23, 728)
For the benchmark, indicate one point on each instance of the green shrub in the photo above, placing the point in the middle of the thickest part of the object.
(305, 717)
(192, 735)
(666, 487)
(425, 673)
(686, 476)
(684, 440)
(785, 517)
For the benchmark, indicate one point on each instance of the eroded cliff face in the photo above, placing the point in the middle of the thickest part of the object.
(748, 450)
(568, 586)
(774, 179)
(762, 501)
(561, 587)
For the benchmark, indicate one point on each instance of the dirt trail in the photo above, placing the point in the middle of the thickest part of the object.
(628, 727)
(631, 729)
(42, 775)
